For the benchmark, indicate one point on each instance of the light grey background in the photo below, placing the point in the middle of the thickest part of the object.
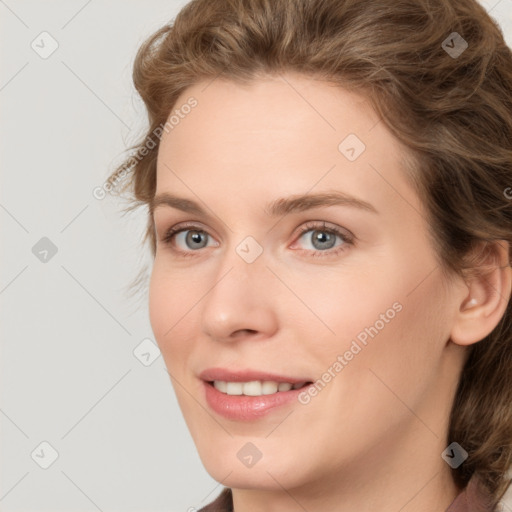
(69, 376)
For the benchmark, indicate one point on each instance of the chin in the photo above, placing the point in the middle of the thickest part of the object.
(227, 466)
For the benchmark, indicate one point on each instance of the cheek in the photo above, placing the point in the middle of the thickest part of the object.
(389, 375)
(400, 358)
(171, 305)
(392, 326)
(159, 306)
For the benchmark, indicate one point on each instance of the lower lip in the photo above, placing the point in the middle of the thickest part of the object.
(247, 408)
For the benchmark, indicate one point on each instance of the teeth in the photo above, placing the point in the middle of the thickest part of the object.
(255, 387)
(234, 388)
(252, 388)
(269, 388)
(221, 385)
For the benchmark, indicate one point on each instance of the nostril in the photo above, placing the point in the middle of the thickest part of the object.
(244, 332)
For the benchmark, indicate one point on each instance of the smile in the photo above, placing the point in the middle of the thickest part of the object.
(251, 400)
(255, 387)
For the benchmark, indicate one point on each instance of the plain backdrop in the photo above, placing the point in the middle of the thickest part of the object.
(88, 417)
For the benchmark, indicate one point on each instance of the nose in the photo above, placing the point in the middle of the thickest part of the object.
(241, 301)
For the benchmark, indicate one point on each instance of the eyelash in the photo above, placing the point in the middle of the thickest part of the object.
(309, 226)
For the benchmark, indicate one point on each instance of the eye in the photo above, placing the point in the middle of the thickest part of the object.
(322, 241)
(189, 236)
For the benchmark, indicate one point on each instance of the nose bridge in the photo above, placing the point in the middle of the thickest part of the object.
(244, 263)
(239, 298)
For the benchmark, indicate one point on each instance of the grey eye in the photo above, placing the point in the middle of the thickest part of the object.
(193, 239)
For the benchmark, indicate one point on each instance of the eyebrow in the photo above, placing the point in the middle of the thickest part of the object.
(275, 208)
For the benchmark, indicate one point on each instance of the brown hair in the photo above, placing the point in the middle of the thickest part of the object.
(453, 112)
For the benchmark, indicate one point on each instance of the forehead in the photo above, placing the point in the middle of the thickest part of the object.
(288, 134)
(288, 106)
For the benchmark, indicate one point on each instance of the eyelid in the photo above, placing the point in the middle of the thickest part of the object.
(182, 226)
(322, 225)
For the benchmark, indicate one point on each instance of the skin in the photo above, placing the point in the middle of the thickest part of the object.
(373, 437)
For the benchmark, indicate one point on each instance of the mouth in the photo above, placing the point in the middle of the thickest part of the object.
(249, 395)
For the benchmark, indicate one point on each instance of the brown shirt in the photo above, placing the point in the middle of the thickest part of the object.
(469, 500)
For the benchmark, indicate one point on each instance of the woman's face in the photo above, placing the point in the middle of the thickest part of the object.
(261, 287)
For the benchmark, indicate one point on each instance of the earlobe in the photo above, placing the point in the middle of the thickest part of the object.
(485, 303)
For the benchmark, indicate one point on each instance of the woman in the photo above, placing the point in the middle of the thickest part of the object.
(328, 189)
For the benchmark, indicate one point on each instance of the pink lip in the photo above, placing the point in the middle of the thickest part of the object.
(242, 407)
(247, 408)
(212, 374)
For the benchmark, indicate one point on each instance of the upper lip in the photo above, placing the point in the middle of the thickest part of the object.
(223, 374)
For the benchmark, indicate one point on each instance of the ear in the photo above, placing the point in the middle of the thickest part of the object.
(485, 301)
